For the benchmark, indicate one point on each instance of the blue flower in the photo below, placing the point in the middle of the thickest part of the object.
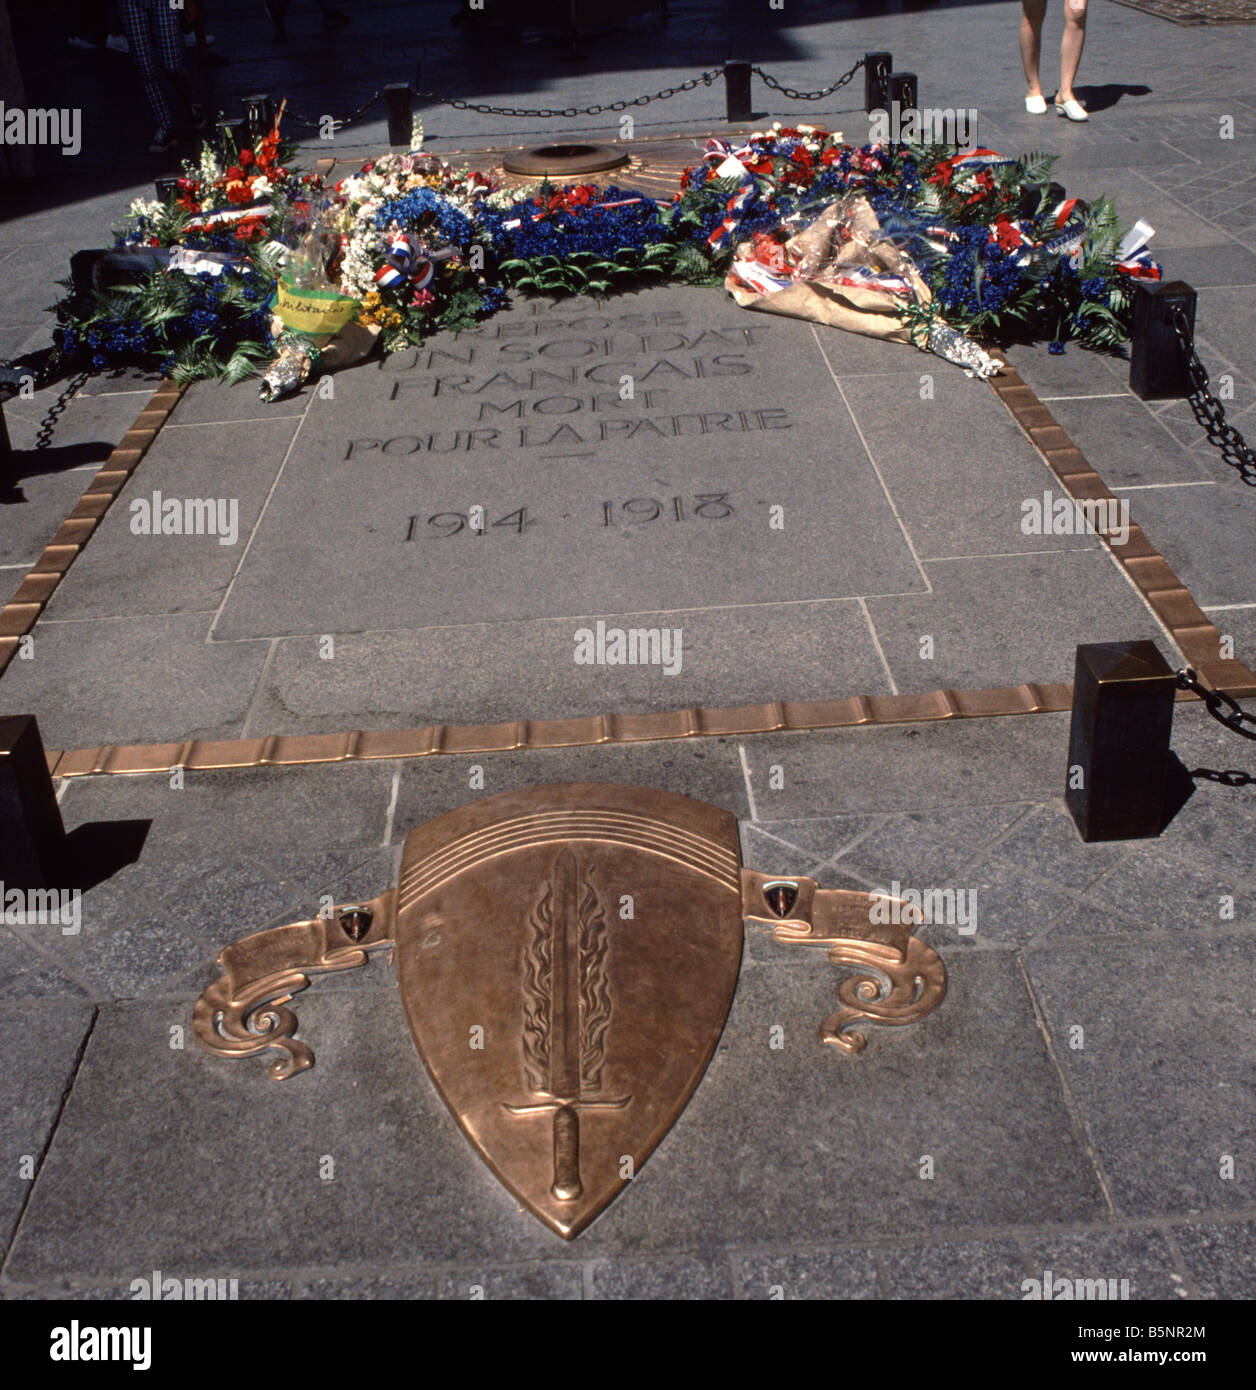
(1056, 348)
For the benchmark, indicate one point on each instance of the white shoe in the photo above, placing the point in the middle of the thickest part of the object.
(1071, 108)
(1036, 105)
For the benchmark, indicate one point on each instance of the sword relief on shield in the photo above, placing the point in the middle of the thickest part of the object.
(566, 1013)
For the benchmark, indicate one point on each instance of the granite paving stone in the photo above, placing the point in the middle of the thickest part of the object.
(1220, 1258)
(493, 672)
(1163, 1080)
(934, 498)
(252, 811)
(702, 1278)
(547, 1280)
(125, 572)
(31, 513)
(369, 1286)
(134, 680)
(827, 1275)
(708, 769)
(1172, 896)
(1036, 609)
(970, 1269)
(1125, 442)
(1144, 1257)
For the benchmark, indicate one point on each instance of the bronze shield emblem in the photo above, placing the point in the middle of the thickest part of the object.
(566, 971)
(567, 956)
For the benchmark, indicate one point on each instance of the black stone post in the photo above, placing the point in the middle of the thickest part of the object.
(877, 81)
(6, 449)
(166, 189)
(1158, 361)
(233, 136)
(397, 102)
(902, 91)
(1118, 757)
(259, 116)
(32, 837)
(737, 90)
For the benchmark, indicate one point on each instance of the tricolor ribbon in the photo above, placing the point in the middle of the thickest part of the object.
(405, 260)
(1132, 255)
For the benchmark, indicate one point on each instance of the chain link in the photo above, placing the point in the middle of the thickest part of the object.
(337, 122)
(1208, 409)
(1234, 717)
(795, 95)
(40, 379)
(545, 113)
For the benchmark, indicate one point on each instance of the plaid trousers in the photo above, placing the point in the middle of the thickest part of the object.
(156, 43)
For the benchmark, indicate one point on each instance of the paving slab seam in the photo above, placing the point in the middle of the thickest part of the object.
(27, 1196)
(1076, 1118)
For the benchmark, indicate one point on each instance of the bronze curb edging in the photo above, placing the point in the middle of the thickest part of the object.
(19, 615)
(1166, 595)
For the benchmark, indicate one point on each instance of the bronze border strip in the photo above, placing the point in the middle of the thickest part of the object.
(284, 750)
(1169, 599)
(1167, 596)
(19, 615)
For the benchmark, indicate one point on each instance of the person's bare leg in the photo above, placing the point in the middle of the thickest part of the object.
(1071, 45)
(1032, 14)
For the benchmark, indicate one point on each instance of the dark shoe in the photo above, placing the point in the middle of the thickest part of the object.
(163, 142)
(275, 9)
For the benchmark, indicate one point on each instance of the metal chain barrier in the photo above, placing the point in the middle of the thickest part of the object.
(792, 92)
(545, 113)
(41, 378)
(1223, 708)
(337, 122)
(1209, 411)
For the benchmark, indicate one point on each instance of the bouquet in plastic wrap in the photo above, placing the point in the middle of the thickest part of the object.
(315, 324)
(836, 266)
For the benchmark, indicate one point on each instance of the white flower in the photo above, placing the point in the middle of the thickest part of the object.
(262, 186)
(139, 208)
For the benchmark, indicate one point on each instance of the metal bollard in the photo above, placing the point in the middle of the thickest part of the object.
(1159, 364)
(737, 90)
(259, 116)
(232, 137)
(398, 104)
(1118, 753)
(32, 836)
(877, 68)
(903, 91)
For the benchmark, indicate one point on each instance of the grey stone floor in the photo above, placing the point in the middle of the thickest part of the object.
(1077, 1091)
(796, 1170)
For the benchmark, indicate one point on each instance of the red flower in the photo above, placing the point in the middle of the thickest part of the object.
(1007, 236)
(246, 158)
(368, 166)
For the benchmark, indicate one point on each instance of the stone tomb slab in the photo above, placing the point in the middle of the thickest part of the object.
(627, 458)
